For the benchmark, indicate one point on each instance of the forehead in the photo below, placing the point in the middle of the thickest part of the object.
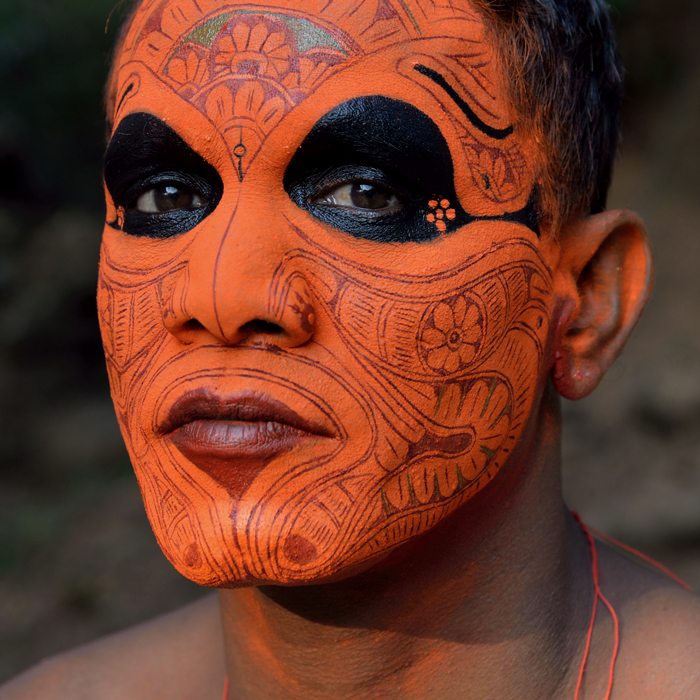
(358, 25)
(294, 46)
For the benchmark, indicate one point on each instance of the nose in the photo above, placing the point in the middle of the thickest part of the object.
(237, 289)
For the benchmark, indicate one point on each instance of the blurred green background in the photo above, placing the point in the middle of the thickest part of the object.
(77, 558)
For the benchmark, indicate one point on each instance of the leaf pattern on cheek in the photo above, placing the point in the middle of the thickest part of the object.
(499, 174)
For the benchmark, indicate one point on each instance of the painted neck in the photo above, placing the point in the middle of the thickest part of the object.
(491, 600)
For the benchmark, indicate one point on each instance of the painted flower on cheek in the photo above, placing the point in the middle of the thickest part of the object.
(455, 335)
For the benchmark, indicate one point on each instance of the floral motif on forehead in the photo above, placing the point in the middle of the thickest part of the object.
(287, 53)
(246, 70)
(279, 41)
(350, 26)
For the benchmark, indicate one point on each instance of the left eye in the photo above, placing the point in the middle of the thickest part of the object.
(169, 197)
(359, 195)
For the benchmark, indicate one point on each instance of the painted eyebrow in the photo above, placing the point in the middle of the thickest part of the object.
(482, 126)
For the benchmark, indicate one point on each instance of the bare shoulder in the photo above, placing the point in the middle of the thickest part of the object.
(659, 654)
(175, 656)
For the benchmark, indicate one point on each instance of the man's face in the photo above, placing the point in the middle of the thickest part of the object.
(323, 295)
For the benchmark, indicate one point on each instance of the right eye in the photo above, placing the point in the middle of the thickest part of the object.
(169, 197)
(167, 203)
(159, 185)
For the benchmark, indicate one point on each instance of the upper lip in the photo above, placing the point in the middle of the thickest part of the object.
(203, 404)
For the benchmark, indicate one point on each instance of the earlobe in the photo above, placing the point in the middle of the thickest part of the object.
(606, 273)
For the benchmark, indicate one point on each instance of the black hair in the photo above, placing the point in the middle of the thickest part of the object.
(563, 75)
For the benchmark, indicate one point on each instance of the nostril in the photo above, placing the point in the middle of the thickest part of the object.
(260, 327)
(192, 325)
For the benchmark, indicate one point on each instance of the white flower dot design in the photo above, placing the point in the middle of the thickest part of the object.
(452, 336)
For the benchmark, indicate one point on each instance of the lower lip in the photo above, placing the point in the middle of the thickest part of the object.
(235, 452)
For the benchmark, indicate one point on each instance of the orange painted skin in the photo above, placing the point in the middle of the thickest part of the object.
(419, 362)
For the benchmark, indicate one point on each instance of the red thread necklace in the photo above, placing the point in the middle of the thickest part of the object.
(598, 596)
(587, 531)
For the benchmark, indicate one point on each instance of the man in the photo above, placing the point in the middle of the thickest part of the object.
(354, 251)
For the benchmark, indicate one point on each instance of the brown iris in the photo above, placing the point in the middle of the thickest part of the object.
(360, 195)
(168, 198)
(368, 196)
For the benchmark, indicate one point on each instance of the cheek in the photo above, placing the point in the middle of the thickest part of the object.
(449, 365)
(136, 282)
(135, 279)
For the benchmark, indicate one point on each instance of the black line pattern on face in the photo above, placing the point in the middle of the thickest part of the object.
(389, 142)
(145, 153)
(396, 353)
(482, 126)
(466, 416)
(125, 94)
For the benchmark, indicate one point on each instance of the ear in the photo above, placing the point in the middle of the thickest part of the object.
(606, 274)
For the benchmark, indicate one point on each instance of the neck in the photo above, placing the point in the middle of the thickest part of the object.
(493, 600)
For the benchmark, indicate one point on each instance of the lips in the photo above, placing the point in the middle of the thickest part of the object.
(232, 438)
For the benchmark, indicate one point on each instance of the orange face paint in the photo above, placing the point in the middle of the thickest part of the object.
(323, 296)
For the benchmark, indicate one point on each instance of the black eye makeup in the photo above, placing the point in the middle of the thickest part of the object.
(160, 185)
(369, 168)
(380, 169)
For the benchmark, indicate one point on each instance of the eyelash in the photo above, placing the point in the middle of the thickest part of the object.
(135, 191)
(328, 190)
(306, 189)
(404, 220)
(399, 214)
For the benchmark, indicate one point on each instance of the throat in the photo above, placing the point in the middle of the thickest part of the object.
(488, 604)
